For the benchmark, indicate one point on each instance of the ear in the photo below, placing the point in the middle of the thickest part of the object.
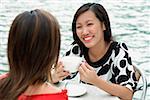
(103, 25)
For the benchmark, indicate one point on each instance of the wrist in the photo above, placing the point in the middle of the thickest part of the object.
(95, 81)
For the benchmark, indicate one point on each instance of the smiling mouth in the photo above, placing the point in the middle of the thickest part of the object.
(87, 38)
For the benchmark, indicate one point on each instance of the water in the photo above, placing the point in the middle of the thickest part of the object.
(130, 21)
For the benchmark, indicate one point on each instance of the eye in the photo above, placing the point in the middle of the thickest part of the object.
(78, 27)
(89, 24)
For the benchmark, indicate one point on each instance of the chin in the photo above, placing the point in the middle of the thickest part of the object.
(89, 45)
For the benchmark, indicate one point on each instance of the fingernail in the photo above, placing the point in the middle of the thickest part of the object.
(82, 63)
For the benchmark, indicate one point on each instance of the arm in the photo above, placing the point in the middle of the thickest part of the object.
(88, 75)
(114, 89)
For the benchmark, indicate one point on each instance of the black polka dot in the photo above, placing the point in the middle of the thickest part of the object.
(115, 70)
(130, 84)
(124, 84)
(67, 53)
(103, 70)
(113, 79)
(122, 63)
(129, 61)
(122, 78)
(135, 85)
(110, 61)
(81, 55)
(128, 72)
(124, 45)
(126, 55)
(75, 50)
(128, 58)
(117, 51)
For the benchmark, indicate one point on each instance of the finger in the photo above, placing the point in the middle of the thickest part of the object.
(60, 68)
(82, 74)
(59, 59)
(81, 77)
(84, 68)
(88, 66)
(81, 71)
(60, 64)
(64, 76)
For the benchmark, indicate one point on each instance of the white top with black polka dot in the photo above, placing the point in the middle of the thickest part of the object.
(115, 66)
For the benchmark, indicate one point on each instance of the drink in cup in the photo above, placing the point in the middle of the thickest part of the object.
(71, 63)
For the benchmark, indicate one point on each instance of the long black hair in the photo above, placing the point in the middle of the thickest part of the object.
(100, 13)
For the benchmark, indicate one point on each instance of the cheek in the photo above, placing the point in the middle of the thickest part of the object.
(79, 35)
(94, 29)
(78, 32)
(100, 35)
(98, 30)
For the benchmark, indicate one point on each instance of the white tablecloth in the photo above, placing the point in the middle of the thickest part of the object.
(92, 93)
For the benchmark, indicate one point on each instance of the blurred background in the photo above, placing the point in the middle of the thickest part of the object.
(130, 23)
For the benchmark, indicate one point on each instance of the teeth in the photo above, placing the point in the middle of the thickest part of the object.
(87, 38)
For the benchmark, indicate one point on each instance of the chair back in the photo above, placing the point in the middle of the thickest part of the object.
(141, 76)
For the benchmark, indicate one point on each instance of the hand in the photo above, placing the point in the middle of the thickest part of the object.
(59, 73)
(87, 73)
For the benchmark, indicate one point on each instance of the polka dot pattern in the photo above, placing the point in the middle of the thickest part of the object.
(103, 70)
(122, 63)
(115, 66)
(75, 50)
(125, 47)
(122, 78)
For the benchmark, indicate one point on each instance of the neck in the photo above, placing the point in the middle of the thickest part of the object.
(97, 52)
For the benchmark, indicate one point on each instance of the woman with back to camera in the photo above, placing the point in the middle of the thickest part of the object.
(108, 64)
(33, 48)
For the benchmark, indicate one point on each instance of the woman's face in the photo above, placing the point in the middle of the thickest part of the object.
(89, 29)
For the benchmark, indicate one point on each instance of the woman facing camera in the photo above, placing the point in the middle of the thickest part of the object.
(108, 64)
(33, 48)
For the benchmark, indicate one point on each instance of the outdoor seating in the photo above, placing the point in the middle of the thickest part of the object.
(142, 85)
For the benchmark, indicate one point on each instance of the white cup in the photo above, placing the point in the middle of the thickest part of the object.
(71, 63)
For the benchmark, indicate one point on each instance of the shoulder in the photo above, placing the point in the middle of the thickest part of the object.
(119, 47)
(52, 96)
(47, 90)
(122, 54)
(3, 76)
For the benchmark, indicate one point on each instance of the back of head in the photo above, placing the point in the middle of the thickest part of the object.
(33, 47)
(100, 13)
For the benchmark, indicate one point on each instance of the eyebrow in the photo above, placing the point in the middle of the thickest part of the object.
(86, 21)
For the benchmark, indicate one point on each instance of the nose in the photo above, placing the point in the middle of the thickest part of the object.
(84, 31)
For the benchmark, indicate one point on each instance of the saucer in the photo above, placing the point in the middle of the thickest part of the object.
(75, 90)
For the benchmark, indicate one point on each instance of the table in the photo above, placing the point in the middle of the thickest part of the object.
(93, 93)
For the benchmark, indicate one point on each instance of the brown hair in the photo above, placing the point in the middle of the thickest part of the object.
(33, 47)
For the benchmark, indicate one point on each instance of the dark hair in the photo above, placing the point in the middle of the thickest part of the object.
(100, 13)
(33, 48)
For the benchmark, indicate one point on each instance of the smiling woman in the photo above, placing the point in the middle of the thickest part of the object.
(129, 24)
(108, 64)
(90, 24)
